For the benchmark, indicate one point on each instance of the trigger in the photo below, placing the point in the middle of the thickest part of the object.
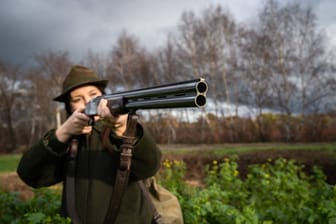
(91, 122)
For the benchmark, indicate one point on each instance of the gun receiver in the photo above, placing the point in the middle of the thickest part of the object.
(176, 95)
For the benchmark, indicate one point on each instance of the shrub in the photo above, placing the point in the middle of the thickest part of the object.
(42, 208)
(274, 192)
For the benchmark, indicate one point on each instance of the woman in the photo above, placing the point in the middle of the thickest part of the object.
(96, 165)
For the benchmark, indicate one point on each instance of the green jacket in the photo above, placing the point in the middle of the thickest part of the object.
(44, 165)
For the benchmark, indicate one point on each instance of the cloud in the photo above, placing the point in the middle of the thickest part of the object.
(30, 27)
(27, 29)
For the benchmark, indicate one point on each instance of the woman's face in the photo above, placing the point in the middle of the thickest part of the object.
(81, 96)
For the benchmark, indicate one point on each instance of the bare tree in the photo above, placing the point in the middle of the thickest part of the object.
(97, 62)
(208, 46)
(256, 50)
(299, 72)
(46, 83)
(257, 69)
(10, 91)
(167, 67)
(300, 61)
(128, 67)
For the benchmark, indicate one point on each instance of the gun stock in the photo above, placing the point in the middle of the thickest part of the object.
(185, 94)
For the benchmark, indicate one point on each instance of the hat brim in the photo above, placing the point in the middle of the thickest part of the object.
(64, 96)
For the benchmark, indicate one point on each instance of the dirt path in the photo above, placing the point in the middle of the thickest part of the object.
(11, 182)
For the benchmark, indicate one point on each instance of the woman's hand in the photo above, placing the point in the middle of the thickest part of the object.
(76, 124)
(118, 123)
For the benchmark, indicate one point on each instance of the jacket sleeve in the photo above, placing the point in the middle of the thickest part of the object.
(146, 158)
(42, 164)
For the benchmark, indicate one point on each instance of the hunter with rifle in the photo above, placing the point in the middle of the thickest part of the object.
(101, 153)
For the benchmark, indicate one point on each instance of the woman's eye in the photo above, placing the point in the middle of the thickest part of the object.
(93, 94)
(76, 100)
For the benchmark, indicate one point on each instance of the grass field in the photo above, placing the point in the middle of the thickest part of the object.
(238, 148)
(197, 157)
(8, 163)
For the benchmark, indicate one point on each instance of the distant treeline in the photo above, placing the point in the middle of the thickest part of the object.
(264, 128)
(281, 62)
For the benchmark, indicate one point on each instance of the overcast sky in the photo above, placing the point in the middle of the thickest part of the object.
(36, 26)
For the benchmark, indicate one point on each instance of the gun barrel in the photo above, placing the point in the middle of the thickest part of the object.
(177, 95)
(163, 103)
(197, 86)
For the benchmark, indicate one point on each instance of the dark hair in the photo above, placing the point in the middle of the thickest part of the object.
(68, 105)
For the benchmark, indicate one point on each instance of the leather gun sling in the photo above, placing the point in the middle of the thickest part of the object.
(123, 172)
(156, 216)
(121, 179)
(70, 183)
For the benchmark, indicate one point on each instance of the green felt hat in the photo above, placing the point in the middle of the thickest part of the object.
(77, 77)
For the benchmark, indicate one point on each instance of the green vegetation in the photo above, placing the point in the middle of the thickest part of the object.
(8, 163)
(277, 191)
(42, 208)
(274, 192)
(231, 149)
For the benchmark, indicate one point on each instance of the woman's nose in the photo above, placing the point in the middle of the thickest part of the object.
(87, 99)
